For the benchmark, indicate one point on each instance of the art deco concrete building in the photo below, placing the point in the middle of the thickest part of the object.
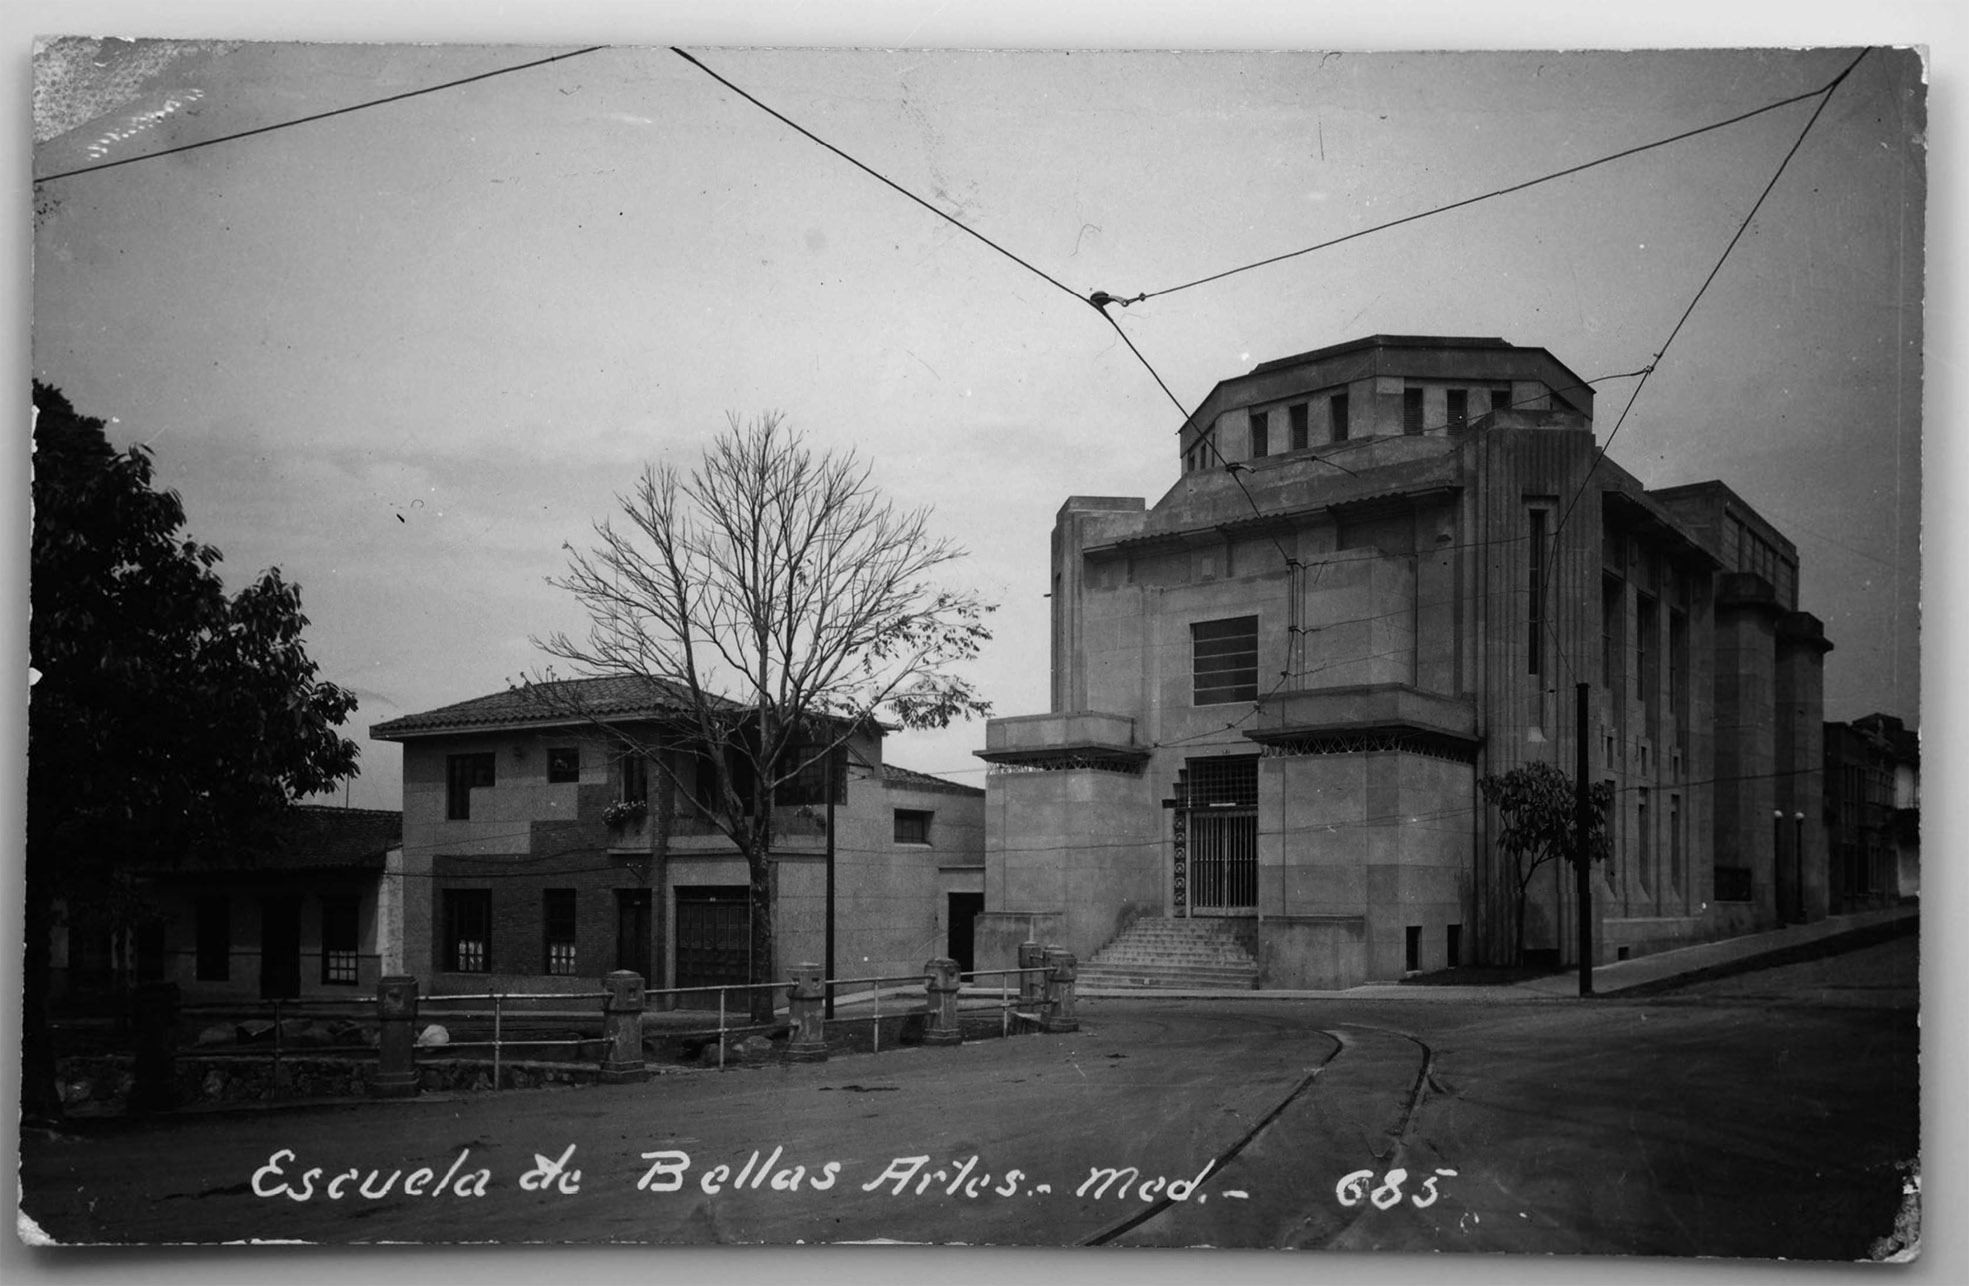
(1381, 573)
(538, 855)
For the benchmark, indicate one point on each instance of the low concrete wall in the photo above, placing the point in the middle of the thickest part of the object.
(1312, 952)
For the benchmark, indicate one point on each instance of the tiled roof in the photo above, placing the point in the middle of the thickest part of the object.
(910, 779)
(314, 837)
(560, 702)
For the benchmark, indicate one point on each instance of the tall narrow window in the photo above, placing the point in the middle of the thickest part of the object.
(1261, 434)
(467, 941)
(1411, 410)
(635, 779)
(462, 775)
(1338, 406)
(1535, 594)
(1224, 660)
(1678, 675)
(1413, 952)
(1296, 416)
(558, 923)
(339, 934)
(1644, 856)
(1459, 407)
(1675, 842)
(1646, 655)
(214, 930)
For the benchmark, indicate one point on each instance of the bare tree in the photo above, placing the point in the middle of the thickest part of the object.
(790, 604)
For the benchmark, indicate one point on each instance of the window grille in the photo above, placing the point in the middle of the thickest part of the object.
(1224, 656)
(1226, 781)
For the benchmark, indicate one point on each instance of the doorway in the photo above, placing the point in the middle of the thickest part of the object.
(632, 932)
(280, 946)
(714, 939)
(961, 937)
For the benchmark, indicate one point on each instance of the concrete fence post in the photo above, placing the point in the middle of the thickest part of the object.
(942, 982)
(1061, 971)
(806, 1014)
(156, 1062)
(622, 1029)
(1032, 984)
(396, 1044)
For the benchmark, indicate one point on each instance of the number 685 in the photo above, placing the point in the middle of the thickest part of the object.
(1360, 1186)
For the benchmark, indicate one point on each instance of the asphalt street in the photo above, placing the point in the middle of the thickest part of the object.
(1773, 1114)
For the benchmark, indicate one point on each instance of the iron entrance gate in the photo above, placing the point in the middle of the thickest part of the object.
(1223, 862)
(1221, 835)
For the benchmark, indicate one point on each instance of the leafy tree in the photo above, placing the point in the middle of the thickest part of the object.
(791, 603)
(1539, 808)
(165, 716)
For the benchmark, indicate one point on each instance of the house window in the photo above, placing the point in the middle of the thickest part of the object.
(1675, 842)
(338, 940)
(912, 826)
(1500, 399)
(558, 920)
(1338, 405)
(564, 764)
(809, 783)
(1643, 842)
(214, 929)
(1459, 407)
(467, 931)
(1261, 434)
(1296, 416)
(1411, 410)
(463, 773)
(1453, 945)
(635, 780)
(1224, 660)
(1413, 953)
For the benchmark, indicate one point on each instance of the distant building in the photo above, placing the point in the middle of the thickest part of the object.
(1383, 569)
(1873, 811)
(311, 913)
(538, 855)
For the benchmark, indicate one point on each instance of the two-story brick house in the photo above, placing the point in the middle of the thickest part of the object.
(539, 853)
(1381, 574)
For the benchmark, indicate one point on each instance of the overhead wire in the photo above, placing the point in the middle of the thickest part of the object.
(320, 116)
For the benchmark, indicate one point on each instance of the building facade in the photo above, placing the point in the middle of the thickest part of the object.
(1381, 575)
(312, 914)
(540, 854)
(1873, 812)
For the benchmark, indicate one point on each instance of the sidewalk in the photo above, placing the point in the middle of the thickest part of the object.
(1641, 976)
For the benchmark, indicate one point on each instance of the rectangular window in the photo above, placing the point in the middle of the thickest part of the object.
(1459, 407)
(1261, 434)
(1613, 648)
(1535, 591)
(214, 929)
(1453, 945)
(912, 826)
(809, 783)
(1500, 399)
(1338, 405)
(1675, 842)
(564, 764)
(1644, 856)
(339, 917)
(1413, 962)
(1678, 675)
(467, 941)
(1411, 410)
(1644, 656)
(1224, 660)
(635, 780)
(558, 922)
(1296, 415)
(462, 775)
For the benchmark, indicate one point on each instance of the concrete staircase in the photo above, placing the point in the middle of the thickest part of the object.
(1192, 955)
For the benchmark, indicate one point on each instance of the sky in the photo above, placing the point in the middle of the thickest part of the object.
(406, 354)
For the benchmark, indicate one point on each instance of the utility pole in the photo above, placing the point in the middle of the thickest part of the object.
(828, 777)
(1582, 850)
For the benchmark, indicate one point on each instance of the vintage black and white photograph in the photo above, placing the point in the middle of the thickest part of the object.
(709, 644)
